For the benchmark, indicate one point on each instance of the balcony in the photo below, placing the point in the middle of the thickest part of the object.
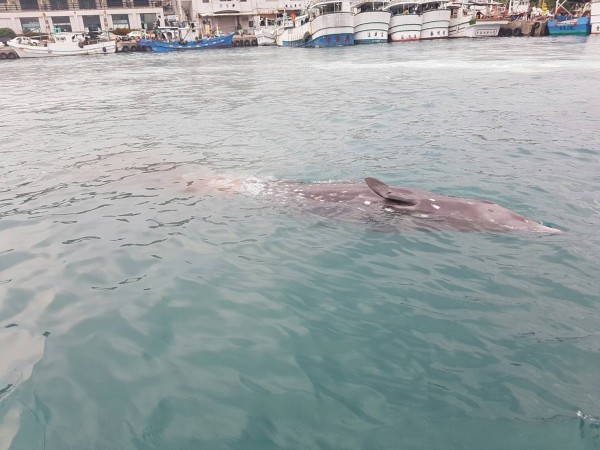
(70, 5)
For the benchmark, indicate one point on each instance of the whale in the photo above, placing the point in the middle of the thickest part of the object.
(388, 206)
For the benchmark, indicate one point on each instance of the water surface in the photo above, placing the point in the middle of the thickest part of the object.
(141, 310)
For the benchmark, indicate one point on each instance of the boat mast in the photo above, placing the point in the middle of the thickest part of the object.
(47, 23)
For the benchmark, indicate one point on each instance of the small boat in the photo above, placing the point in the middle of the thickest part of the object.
(327, 23)
(63, 44)
(405, 21)
(474, 20)
(184, 45)
(265, 36)
(565, 25)
(371, 21)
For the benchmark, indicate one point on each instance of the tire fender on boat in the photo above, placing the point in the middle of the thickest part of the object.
(133, 48)
(254, 42)
(12, 56)
(246, 42)
(236, 43)
(104, 49)
(517, 32)
(3, 55)
(534, 27)
(125, 48)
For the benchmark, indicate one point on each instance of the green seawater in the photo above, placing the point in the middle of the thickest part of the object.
(142, 307)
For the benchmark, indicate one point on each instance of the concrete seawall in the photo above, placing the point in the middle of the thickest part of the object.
(518, 28)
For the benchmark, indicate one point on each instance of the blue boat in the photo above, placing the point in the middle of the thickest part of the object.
(182, 45)
(565, 26)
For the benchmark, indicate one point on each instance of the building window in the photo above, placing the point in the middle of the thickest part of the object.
(87, 4)
(92, 23)
(148, 21)
(114, 3)
(28, 5)
(63, 23)
(141, 3)
(58, 5)
(120, 21)
(30, 25)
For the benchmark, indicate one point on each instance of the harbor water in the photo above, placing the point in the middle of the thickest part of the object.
(145, 306)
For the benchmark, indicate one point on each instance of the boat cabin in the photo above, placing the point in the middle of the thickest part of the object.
(402, 8)
(368, 6)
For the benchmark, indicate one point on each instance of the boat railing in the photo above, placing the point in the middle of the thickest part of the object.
(315, 3)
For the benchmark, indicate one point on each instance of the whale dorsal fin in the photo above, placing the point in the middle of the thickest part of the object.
(383, 190)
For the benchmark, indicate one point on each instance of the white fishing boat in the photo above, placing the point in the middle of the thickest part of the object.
(265, 36)
(266, 32)
(474, 20)
(595, 17)
(436, 19)
(327, 23)
(405, 21)
(371, 21)
(64, 44)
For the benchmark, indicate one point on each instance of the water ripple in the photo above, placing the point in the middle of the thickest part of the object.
(144, 305)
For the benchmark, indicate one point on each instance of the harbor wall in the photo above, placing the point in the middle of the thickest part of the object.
(519, 28)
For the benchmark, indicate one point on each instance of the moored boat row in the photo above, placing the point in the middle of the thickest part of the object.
(324, 23)
(338, 22)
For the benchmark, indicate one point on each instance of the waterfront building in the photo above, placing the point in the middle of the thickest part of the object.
(236, 15)
(79, 15)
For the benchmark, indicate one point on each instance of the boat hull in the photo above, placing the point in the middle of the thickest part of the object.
(54, 50)
(578, 27)
(435, 24)
(265, 36)
(204, 44)
(371, 27)
(327, 30)
(474, 28)
(405, 27)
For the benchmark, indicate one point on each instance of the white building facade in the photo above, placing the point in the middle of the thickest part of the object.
(79, 15)
(24, 16)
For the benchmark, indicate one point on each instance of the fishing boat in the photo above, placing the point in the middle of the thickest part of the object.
(265, 33)
(371, 21)
(327, 23)
(474, 20)
(565, 25)
(595, 17)
(436, 19)
(159, 46)
(63, 44)
(265, 36)
(184, 38)
(569, 21)
(405, 21)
